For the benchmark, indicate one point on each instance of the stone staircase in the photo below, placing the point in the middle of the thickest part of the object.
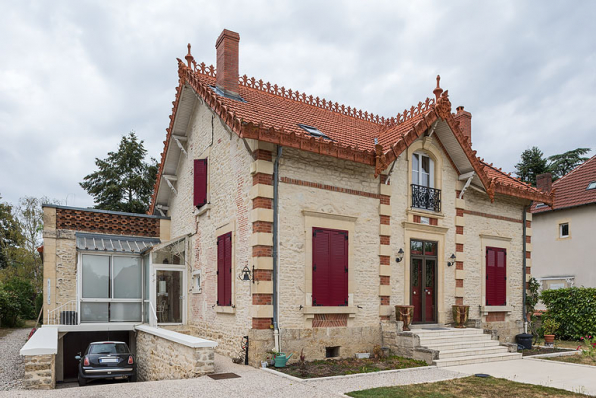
(462, 346)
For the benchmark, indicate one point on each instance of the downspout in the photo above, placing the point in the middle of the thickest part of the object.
(275, 275)
(524, 273)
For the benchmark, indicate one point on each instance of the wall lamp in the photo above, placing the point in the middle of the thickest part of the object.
(400, 255)
(452, 258)
(246, 275)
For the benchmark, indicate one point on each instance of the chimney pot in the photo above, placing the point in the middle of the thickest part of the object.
(227, 62)
(544, 182)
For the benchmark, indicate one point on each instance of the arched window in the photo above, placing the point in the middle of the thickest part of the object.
(424, 194)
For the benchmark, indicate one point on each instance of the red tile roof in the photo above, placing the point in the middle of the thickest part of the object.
(571, 189)
(271, 113)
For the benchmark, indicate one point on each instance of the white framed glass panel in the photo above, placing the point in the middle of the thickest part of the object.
(94, 312)
(127, 277)
(96, 276)
(415, 169)
(125, 312)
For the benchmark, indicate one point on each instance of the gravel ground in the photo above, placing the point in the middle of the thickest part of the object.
(12, 367)
(253, 382)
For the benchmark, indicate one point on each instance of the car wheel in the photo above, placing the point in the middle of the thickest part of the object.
(82, 381)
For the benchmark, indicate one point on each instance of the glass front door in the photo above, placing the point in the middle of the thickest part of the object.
(423, 267)
(169, 296)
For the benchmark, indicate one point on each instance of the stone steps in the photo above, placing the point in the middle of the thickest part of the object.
(454, 345)
(465, 352)
(430, 341)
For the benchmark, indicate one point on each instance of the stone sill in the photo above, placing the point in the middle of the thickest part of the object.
(311, 311)
(496, 308)
(186, 340)
(202, 210)
(225, 309)
(424, 213)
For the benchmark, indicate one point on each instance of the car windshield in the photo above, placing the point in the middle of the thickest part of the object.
(108, 348)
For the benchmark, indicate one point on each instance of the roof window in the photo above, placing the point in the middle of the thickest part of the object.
(540, 205)
(591, 185)
(315, 132)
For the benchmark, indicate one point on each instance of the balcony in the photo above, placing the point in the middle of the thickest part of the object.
(426, 198)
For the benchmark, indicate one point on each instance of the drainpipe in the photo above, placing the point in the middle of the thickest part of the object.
(275, 249)
(524, 273)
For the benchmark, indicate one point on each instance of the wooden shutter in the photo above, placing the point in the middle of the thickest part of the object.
(200, 182)
(330, 267)
(220, 270)
(496, 276)
(228, 269)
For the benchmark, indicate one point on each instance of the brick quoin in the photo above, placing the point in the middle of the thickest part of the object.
(385, 280)
(528, 239)
(383, 179)
(528, 270)
(528, 224)
(434, 221)
(385, 200)
(385, 240)
(459, 301)
(262, 226)
(262, 251)
(385, 260)
(495, 317)
(262, 203)
(261, 154)
(262, 178)
(459, 230)
(457, 193)
(262, 275)
(459, 265)
(262, 299)
(386, 220)
(261, 323)
(528, 254)
(417, 219)
(385, 300)
(459, 283)
(459, 212)
(459, 247)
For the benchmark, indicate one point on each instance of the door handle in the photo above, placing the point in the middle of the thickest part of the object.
(414, 292)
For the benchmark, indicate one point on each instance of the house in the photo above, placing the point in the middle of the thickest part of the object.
(285, 221)
(562, 232)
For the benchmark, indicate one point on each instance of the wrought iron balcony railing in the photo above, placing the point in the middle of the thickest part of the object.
(426, 198)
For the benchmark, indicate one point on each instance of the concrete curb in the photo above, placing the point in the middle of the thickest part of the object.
(553, 354)
(356, 375)
(565, 363)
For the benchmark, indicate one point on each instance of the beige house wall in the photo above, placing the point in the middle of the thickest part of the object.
(554, 256)
(229, 183)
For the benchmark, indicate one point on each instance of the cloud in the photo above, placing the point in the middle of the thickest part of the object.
(76, 76)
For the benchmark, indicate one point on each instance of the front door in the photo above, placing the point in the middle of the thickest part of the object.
(170, 296)
(423, 268)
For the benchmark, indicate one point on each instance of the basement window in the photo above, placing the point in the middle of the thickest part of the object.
(591, 185)
(313, 131)
(564, 230)
(332, 352)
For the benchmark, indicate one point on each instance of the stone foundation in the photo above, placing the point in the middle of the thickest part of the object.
(40, 372)
(162, 359)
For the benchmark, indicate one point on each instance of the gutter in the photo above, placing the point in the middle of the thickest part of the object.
(275, 276)
(526, 208)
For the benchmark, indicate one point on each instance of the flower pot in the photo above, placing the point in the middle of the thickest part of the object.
(460, 315)
(404, 313)
(549, 339)
(263, 364)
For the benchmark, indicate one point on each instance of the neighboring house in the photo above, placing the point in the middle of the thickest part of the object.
(562, 233)
(299, 223)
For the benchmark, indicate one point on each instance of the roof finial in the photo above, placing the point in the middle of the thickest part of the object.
(438, 91)
(189, 58)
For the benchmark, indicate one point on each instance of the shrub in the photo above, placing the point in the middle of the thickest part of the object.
(24, 293)
(574, 309)
(10, 309)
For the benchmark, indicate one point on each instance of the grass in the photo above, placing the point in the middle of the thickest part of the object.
(26, 325)
(468, 387)
(347, 366)
(578, 359)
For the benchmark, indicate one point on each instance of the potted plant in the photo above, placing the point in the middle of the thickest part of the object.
(460, 315)
(550, 326)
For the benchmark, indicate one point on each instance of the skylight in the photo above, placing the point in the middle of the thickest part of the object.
(592, 185)
(539, 205)
(315, 132)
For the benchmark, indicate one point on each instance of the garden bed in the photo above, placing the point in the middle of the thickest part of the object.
(348, 366)
(577, 359)
(537, 350)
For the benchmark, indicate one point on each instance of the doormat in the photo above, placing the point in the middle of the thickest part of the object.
(222, 376)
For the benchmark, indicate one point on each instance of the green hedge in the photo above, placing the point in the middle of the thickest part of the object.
(574, 308)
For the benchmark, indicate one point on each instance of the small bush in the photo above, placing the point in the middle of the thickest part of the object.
(10, 309)
(24, 294)
(574, 309)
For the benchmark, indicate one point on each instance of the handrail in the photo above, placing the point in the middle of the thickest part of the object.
(69, 309)
(152, 315)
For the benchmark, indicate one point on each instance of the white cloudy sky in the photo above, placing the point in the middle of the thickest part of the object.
(77, 75)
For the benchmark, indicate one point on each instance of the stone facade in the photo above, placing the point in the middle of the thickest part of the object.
(40, 372)
(162, 359)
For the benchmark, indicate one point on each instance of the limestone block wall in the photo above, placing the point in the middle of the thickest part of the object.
(229, 183)
(40, 372)
(161, 359)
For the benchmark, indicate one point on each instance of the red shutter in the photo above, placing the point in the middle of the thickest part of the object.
(496, 276)
(228, 268)
(200, 175)
(330, 267)
(220, 270)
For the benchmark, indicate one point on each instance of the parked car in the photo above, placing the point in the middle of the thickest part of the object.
(106, 360)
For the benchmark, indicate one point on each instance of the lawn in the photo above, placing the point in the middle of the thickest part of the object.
(579, 359)
(347, 366)
(468, 387)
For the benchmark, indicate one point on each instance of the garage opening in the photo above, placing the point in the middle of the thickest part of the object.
(73, 343)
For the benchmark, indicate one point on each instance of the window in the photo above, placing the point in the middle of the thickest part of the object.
(315, 132)
(200, 183)
(424, 195)
(496, 276)
(330, 267)
(111, 288)
(564, 230)
(224, 270)
(592, 185)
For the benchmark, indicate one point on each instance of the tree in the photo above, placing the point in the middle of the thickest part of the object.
(565, 162)
(123, 181)
(532, 163)
(10, 234)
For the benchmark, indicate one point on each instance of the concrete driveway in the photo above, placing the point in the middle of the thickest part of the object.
(567, 376)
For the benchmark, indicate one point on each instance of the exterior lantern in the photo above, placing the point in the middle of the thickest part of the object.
(400, 256)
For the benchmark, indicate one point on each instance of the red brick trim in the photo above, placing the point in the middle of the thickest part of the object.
(262, 178)
(385, 200)
(261, 154)
(385, 260)
(494, 217)
(459, 265)
(106, 223)
(459, 283)
(495, 317)
(294, 181)
(459, 230)
(262, 275)
(262, 203)
(386, 220)
(262, 299)
(385, 318)
(385, 280)
(329, 320)
(261, 323)
(385, 240)
(262, 251)
(459, 247)
(385, 300)
(459, 301)
(262, 226)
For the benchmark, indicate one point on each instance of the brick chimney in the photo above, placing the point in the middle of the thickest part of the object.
(465, 122)
(227, 62)
(544, 182)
